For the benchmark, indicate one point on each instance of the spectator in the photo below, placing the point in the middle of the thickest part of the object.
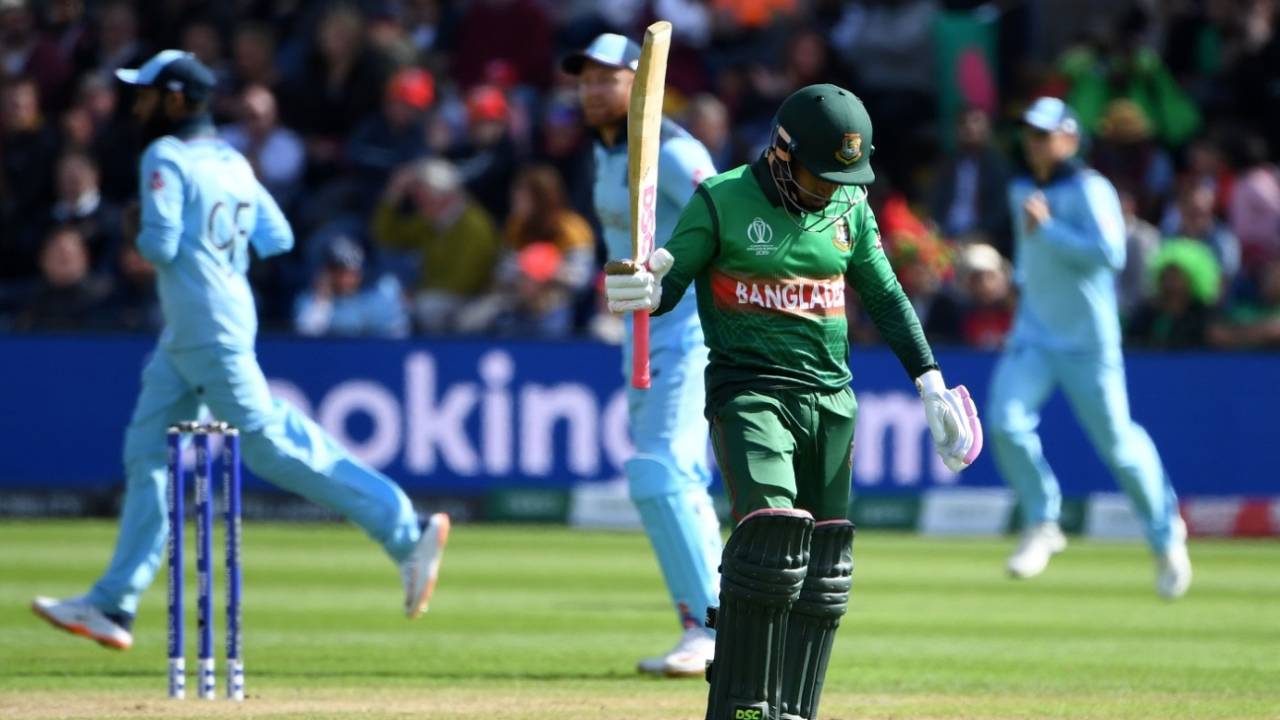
(430, 25)
(707, 119)
(115, 43)
(1190, 27)
(1254, 324)
(426, 211)
(968, 198)
(806, 60)
(1142, 240)
(338, 304)
(1188, 281)
(341, 83)
(79, 202)
(754, 13)
(986, 289)
(1254, 211)
(888, 47)
(201, 37)
(67, 28)
(564, 145)
(25, 51)
(133, 305)
(27, 164)
(1120, 64)
(387, 35)
(487, 157)
(1193, 217)
(108, 137)
(253, 57)
(1127, 154)
(398, 133)
(275, 152)
(691, 21)
(1206, 165)
(517, 31)
(923, 262)
(1256, 73)
(550, 258)
(493, 104)
(67, 295)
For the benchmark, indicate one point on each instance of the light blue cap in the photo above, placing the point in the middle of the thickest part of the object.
(172, 70)
(1052, 115)
(608, 49)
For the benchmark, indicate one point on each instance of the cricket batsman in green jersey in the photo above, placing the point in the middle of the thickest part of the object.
(770, 247)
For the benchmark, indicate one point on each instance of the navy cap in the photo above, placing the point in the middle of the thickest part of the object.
(608, 49)
(172, 70)
(1052, 115)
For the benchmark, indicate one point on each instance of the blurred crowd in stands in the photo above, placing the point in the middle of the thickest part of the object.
(437, 174)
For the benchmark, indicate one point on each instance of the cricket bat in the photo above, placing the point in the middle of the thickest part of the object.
(644, 125)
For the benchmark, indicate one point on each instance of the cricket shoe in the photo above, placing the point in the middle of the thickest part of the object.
(688, 658)
(420, 571)
(1039, 543)
(78, 617)
(1173, 566)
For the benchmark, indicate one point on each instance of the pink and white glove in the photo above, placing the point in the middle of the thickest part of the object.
(953, 420)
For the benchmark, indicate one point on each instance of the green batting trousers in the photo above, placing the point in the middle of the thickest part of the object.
(787, 449)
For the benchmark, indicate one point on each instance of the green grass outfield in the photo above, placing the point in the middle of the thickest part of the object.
(540, 622)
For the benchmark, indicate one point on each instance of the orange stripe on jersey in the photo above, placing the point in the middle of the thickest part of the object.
(803, 297)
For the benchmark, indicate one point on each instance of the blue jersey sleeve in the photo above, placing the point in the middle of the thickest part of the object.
(161, 195)
(682, 165)
(1097, 237)
(271, 232)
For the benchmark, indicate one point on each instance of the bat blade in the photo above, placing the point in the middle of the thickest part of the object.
(644, 128)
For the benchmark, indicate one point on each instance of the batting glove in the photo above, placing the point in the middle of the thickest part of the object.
(629, 286)
(953, 420)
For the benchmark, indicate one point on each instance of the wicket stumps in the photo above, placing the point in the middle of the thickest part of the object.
(207, 682)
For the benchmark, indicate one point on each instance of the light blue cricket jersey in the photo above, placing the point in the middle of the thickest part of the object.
(201, 208)
(1066, 270)
(683, 163)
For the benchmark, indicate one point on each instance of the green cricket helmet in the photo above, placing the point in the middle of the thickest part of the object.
(827, 131)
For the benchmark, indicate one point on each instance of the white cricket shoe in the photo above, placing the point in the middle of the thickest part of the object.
(77, 616)
(1173, 566)
(1039, 543)
(421, 570)
(688, 658)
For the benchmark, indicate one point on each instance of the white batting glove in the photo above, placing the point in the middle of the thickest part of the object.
(629, 287)
(953, 420)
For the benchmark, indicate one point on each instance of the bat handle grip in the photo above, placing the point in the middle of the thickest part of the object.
(640, 350)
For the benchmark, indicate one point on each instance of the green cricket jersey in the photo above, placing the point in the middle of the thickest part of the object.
(771, 296)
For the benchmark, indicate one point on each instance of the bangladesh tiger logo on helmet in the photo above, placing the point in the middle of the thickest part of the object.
(850, 149)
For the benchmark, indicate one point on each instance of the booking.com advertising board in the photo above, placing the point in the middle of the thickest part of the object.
(458, 418)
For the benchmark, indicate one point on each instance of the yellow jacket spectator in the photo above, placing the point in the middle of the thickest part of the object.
(425, 211)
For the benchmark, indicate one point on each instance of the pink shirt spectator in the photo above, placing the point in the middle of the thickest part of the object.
(1254, 214)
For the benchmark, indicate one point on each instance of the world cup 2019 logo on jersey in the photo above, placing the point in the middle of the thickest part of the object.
(760, 237)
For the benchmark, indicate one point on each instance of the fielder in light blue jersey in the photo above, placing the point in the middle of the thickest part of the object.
(201, 211)
(668, 476)
(1070, 245)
